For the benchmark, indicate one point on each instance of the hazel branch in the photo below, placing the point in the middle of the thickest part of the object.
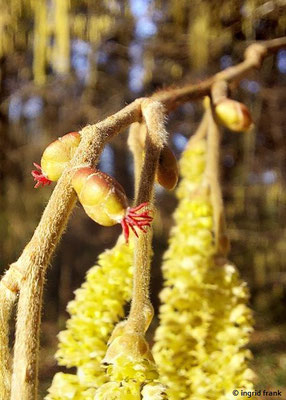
(212, 176)
(141, 312)
(34, 261)
(7, 299)
(253, 58)
(36, 256)
(219, 91)
(136, 137)
(172, 98)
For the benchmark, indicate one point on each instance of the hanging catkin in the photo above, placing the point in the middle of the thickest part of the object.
(204, 318)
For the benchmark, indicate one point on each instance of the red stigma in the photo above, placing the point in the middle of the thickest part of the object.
(133, 220)
(40, 177)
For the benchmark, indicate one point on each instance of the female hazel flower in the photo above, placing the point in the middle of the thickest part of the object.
(102, 197)
(58, 154)
(104, 200)
(55, 158)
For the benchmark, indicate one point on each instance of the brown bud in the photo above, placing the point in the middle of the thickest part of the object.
(167, 173)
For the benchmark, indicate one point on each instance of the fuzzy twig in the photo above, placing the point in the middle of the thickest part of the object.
(136, 139)
(36, 256)
(212, 176)
(141, 312)
(7, 300)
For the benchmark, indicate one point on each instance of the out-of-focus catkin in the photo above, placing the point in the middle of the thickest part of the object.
(204, 319)
(97, 307)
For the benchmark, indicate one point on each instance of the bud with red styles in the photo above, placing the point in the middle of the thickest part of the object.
(104, 200)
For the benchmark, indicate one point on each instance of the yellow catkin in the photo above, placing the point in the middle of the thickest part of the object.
(61, 48)
(204, 319)
(40, 42)
(97, 307)
(131, 380)
(55, 22)
(130, 368)
(199, 36)
(130, 390)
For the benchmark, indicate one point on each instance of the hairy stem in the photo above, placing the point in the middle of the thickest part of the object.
(212, 175)
(136, 138)
(141, 312)
(25, 365)
(7, 299)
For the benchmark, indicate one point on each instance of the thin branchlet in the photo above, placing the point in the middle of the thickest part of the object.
(136, 139)
(219, 92)
(141, 311)
(212, 178)
(7, 298)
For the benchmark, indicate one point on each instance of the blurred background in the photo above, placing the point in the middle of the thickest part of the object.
(65, 64)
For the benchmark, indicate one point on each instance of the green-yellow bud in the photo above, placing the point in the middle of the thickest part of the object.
(233, 115)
